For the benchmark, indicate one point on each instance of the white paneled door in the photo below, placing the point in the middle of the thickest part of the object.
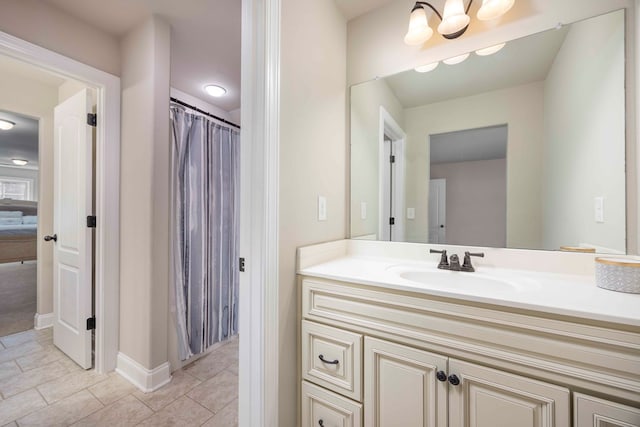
(72, 255)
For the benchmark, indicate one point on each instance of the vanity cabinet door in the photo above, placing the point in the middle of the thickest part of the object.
(322, 408)
(593, 412)
(485, 397)
(401, 386)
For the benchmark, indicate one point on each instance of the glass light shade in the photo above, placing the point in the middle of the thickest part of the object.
(419, 30)
(456, 59)
(215, 90)
(454, 17)
(19, 162)
(490, 50)
(6, 124)
(426, 68)
(492, 9)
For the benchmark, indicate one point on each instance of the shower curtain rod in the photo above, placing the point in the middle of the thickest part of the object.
(184, 104)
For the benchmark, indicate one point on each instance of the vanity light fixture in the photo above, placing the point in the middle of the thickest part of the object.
(490, 50)
(215, 90)
(6, 124)
(426, 68)
(453, 22)
(456, 59)
(19, 162)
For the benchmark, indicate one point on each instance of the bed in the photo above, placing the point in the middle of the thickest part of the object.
(18, 242)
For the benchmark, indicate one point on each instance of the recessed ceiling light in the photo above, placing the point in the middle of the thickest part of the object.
(215, 90)
(490, 50)
(456, 59)
(19, 162)
(426, 68)
(6, 124)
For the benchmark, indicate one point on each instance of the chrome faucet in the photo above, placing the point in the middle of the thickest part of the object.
(453, 263)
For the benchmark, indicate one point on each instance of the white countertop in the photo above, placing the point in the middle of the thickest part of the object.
(563, 294)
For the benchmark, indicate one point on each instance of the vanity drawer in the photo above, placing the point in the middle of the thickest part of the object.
(332, 358)
(324, 408)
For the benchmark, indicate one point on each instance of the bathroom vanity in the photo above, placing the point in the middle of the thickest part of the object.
(528, 339)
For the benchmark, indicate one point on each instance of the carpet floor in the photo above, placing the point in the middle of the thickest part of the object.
(17, 297)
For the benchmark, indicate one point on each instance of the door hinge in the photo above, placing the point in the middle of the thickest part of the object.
(392, 159)
(92, 119)
(392, 221)
(241, 265)
(91, 323)
(91, 221)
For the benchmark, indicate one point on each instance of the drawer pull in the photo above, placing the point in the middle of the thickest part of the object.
(328, 362)
(321, 423)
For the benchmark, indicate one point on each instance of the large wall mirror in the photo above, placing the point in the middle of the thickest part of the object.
(522, 148)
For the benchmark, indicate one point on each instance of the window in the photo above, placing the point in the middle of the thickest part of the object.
(16, 188)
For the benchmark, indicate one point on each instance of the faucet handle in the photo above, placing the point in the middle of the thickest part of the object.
(444, 262)
(466, 264)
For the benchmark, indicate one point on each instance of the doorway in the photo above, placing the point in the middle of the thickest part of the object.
(107, 142)
(18, 221)
(391, 185)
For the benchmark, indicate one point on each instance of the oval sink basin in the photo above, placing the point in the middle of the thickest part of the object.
(463, 281)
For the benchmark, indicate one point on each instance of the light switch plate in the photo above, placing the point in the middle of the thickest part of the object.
(598, 205)
(322, 208)
(411, 213)
(363, 210)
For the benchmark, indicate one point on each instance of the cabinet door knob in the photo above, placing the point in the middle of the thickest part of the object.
(328, 362)
(454, 380)
(441, 376)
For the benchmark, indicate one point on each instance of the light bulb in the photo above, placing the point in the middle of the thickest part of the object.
(426, 68)
(6, 124)
(456, 59)
(490, 50)
(492, 9)
(19, 162)
(419, 31)
(454, 19)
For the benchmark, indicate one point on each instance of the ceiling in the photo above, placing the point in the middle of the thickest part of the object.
(354, 8)
(205, 39)
(521, 61)
(469, 145)
(20, 142)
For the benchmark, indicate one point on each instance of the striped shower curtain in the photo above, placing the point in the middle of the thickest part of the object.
(205, 224)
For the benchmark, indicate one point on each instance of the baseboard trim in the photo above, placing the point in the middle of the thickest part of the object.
(43, 321)
(146, 380)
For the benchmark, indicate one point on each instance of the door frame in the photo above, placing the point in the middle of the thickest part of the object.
(388, 126)
(107, 194)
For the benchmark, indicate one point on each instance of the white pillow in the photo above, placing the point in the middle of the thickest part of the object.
(10, 221)
(10, 214)
(29, 219)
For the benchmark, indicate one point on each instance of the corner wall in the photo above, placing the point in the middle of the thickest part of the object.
(144, 195)
(313, 154)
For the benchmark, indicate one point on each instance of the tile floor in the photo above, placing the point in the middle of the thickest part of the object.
(40, 386)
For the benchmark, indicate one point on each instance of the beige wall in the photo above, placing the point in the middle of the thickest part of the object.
(524, 154)
(144, 197)
(40, 23)
(376, 47)
(476, 202)
(366, 100)
(584, 137)
(35, 99)
(312, 158)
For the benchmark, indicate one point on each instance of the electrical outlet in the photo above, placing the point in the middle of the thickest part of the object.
(598, 206)
(322, 208)
(363, 210)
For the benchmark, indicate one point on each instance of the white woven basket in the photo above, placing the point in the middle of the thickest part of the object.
(618, 274)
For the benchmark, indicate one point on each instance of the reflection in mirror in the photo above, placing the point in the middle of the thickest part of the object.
(523, 148)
